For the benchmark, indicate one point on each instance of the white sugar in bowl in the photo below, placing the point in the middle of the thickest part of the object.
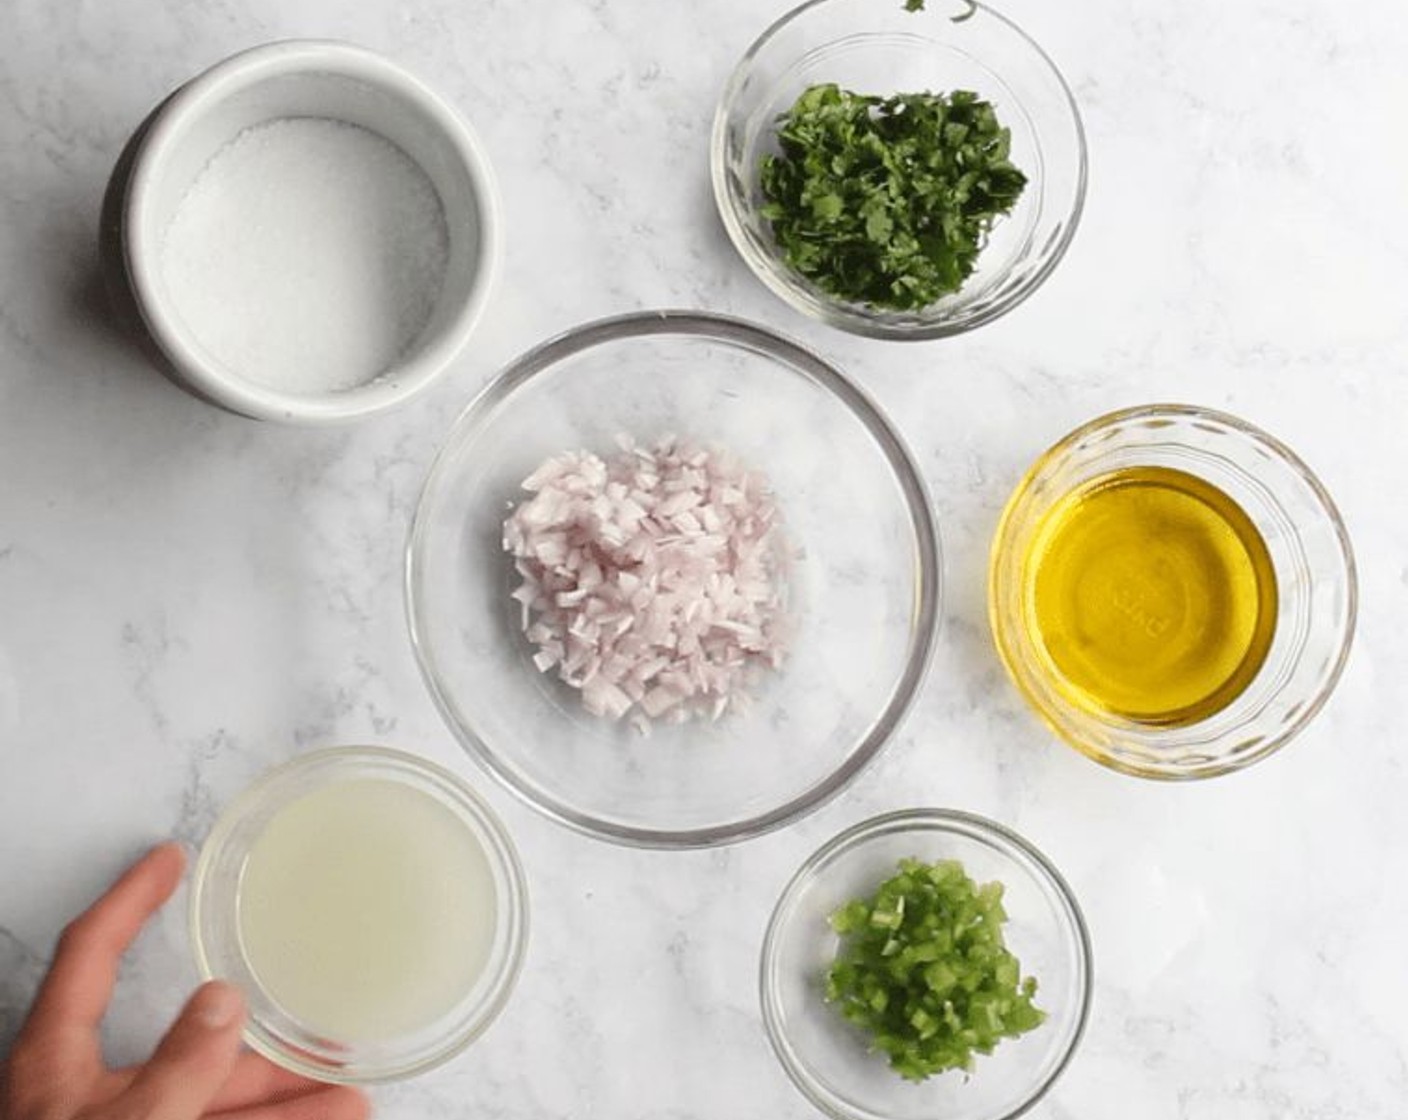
(305, 232)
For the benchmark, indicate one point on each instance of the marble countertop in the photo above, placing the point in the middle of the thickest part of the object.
(187, 597)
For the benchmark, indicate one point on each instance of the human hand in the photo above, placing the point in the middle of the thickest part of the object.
(55, 1071)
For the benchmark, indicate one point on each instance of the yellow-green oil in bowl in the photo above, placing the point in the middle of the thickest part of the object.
(1149, 595)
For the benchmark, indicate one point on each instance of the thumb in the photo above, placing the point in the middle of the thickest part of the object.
(193, 1061)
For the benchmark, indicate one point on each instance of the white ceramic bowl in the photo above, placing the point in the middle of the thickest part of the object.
(298, 78)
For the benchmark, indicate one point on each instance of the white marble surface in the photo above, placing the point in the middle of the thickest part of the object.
(187, 597)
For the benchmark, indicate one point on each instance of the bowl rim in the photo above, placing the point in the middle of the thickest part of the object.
(502, 851)
(729, 330)
(1288, 458)
(184, 110)
(830, 311)
(929, 818)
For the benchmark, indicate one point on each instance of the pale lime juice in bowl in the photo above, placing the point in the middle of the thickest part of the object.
(370, 906)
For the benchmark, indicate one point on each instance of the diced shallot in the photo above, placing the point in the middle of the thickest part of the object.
(652, 580)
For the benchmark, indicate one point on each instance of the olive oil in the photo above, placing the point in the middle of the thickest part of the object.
(1151, 595)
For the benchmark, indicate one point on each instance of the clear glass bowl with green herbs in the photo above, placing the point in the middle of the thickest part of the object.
(835, 1062)
(931, 191)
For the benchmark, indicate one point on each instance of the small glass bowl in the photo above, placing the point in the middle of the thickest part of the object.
(827, 1058)
(862, 588)
(271, 1030)
(1310, 555)
(876, 47)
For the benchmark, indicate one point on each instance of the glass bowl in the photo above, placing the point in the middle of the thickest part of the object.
(221, 935)
(827, 1058)
(876, 47)
(1309, 553)
(863, 588)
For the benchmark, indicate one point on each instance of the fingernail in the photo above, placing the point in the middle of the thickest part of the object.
(217, 1005)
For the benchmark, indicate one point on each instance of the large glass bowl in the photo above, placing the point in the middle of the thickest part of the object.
(876, 47)
(1308, 549)
(828, 1059)
(863, 591)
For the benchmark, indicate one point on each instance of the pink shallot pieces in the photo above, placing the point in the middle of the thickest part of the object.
(652, 580)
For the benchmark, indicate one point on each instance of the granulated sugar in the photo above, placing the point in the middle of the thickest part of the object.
(308, 255)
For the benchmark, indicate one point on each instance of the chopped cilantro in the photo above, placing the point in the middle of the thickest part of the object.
(923, 969)
(887, 201)
(967, 13)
